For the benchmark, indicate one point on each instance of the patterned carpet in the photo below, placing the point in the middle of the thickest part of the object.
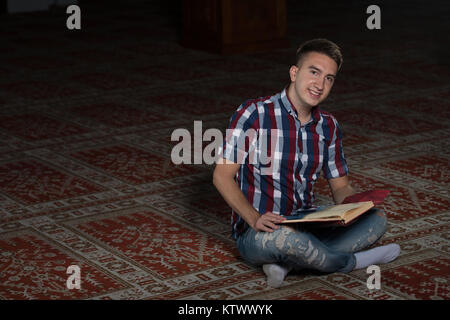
(86, 176)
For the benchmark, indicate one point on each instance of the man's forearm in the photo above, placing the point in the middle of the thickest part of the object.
(234, 197)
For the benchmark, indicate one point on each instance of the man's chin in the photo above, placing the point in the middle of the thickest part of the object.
(313, 104)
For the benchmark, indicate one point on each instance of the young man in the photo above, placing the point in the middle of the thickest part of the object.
(301, 141)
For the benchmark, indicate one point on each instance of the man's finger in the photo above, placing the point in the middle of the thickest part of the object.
(275, 217)
(271, 225)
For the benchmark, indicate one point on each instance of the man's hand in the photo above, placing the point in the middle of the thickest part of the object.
(223, 179)
(267, 222)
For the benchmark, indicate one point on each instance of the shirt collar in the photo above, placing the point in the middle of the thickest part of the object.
(289, 106)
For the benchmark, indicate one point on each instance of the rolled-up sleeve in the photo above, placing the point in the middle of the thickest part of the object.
(241, 134)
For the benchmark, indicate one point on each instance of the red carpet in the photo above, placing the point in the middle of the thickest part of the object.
(86, 176)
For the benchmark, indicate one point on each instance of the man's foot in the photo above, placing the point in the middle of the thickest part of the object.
(383, 254)
(275, 274)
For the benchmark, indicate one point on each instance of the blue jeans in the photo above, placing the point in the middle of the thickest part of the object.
(309, 246)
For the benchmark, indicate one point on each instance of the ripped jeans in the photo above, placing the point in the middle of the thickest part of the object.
(302, 246)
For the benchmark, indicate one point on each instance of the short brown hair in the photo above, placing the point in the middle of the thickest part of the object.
(323, 46)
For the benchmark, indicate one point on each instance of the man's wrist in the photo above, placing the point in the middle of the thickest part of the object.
(254, 220)
(343, 193)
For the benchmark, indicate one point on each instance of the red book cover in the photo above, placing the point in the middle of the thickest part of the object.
(376, 196)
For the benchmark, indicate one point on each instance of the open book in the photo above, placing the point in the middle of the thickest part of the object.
(340, 213)
(351, 208)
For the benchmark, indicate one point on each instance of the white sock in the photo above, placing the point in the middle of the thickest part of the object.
(383, 254)
(275, 274)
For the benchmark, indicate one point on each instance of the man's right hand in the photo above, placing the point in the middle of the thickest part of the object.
(267, 222)
(223, 179)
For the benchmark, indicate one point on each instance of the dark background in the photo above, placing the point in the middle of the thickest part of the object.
(401, 20)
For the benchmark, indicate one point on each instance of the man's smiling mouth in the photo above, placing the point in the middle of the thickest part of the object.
(314, 94)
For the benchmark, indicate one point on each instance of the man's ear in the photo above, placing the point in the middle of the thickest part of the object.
(293, 73)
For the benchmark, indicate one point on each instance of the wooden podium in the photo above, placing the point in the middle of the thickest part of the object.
(234, 26)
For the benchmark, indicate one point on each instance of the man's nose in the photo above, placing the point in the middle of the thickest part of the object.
(320, 84)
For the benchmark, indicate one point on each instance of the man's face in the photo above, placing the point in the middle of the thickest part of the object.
(312, 81)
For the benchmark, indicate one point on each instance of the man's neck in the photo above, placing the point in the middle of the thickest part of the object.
(303, 112)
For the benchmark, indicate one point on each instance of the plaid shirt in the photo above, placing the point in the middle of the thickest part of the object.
(297, 155)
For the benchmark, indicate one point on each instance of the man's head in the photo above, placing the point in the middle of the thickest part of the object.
(312, 75)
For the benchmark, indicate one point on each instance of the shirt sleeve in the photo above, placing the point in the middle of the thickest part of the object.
(335, 165)
(241, 134)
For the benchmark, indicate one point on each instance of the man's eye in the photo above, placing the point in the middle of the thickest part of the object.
(330, 79)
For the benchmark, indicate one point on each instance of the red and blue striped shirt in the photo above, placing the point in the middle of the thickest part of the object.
(280, 158)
